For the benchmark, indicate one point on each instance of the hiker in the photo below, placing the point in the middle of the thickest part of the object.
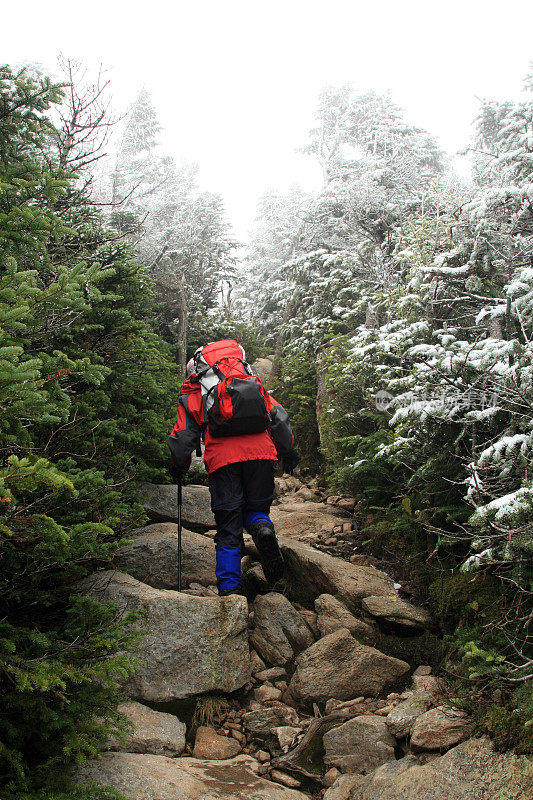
(245, 432)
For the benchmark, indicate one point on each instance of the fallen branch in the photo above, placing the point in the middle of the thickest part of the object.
(288, 761)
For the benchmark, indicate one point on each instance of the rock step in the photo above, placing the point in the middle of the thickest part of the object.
(150, 777)
(160, 501)
(152, 556)
(153, 732)
(192, 645)
(469, 771)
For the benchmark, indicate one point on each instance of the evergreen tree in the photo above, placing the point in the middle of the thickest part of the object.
(178, 231)
(85, 388)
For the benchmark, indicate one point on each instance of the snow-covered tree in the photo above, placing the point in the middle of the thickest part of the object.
(179, 232)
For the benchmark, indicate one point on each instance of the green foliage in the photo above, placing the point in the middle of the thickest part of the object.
(209, 327)
(208, 709)
(509, 720)
(465, 600)
(89, 792)
(86, 398)
(296, 390)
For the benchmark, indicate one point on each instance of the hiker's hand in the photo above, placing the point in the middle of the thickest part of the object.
(176, 472)
(290, 461)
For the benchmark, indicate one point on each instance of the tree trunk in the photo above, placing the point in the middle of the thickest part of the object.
(323, 402)
(287, 314)
(182, 322)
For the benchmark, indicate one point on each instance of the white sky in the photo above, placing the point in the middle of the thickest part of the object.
(235, 82)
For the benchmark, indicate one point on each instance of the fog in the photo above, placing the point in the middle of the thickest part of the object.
(235, 83)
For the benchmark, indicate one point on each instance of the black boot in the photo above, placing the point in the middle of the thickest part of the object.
(270, 556)
(227, 592)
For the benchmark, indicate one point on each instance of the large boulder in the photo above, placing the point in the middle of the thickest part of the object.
(308, 518)
(152, 556)
(263, 367)
(280, 632)
(161, 504)
(440, 728)
(339, 666)
(397, 612)
(470, 771)
(192, 644)
(342, 787)
(332, 615)
(359, 745)
(152, 732)
(148, 777)
(312, 573)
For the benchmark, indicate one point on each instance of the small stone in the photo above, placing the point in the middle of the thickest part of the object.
(347, 503)
(331, 776)
(310, 618)
(332, 705)
(264, 693)
(256, 663)
(285, 735)
(306, 494)
(263, 769)
(383, 712)
(342, 788)
(208, 744)
(260, 721)
(331, 540)
(428, 685)
(332, 500)
(246, 562)
(427, 758)
(402, 717)
(346, 527)
(363, 560)
(281, 685)
(235, 726)
(271, 674)
(424, 669)
(355, 702)
(239, 736)
(398, 612)
(262, 756)
(284, 779)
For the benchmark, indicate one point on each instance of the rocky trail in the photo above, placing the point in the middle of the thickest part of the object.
(319, 690)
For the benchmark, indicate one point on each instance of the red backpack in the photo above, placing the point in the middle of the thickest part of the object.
(235, 400)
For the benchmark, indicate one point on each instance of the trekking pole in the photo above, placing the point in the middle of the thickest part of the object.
(179, 533)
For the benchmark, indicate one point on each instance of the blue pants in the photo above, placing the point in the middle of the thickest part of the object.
(241, 493)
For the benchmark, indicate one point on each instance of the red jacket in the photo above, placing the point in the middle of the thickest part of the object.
(219, 451)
